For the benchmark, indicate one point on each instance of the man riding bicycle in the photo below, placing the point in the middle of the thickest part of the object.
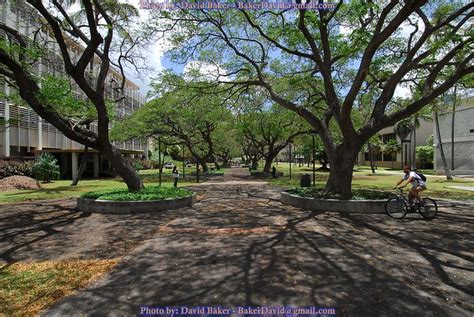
(418, 185)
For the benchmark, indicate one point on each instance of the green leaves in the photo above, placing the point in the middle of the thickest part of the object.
(58, 94)
(46, 168)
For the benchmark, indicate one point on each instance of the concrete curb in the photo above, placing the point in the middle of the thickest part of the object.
(334, 205)
(128, 207)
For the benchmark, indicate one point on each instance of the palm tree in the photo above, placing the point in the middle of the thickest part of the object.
(392, 146)
(403, 129)
(447, 172)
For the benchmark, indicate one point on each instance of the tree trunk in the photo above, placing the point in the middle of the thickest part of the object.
(371, 157)
(268, 163)
(441, 149)
(82, 167)
(340, 173)
(225, 161)
(254, 165)
(269, 158)
(203, 164)
(414, 147)
(324, 164)
(123, 168)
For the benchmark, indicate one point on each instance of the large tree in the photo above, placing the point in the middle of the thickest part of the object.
(318, 63)
(269, 130)
(182, 114)
(83, 43)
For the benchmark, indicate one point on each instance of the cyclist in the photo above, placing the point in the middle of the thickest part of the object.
(418, 185)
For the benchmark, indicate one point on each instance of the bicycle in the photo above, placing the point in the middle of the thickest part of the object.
(398, 207)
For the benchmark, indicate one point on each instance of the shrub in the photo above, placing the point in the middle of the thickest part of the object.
(148, 193)
(148, 164)
(425, 153)
(357, 194)
(136, 163)
(46, 168)
(12, 168)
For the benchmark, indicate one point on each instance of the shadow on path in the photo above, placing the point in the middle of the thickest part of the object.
(239, 247)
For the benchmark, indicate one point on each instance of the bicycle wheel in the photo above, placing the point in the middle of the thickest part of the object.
(396, 208)
(428, 208)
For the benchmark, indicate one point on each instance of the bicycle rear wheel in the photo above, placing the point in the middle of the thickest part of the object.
(396, 208)
(428, 208)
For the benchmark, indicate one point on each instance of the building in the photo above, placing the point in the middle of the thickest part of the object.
(28, 135)
(463, 138)
(404, 155)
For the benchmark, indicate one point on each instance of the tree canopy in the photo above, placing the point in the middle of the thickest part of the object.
(320, 63)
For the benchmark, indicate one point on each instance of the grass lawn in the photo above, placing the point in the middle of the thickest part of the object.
(26, 288)
(61, 188)
(383, 179)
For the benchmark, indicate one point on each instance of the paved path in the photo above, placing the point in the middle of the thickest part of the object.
(240, 246)
(469, 188)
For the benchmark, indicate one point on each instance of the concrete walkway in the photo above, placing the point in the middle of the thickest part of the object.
(239, 246)
(469, 188)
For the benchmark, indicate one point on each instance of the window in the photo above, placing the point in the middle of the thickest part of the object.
(390, 157)
(388, 137)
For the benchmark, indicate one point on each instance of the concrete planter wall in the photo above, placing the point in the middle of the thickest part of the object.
(266, 175)
(334, 205)
(126, 207)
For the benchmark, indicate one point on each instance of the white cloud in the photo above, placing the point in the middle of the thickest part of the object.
(202, 71)
(402, 91)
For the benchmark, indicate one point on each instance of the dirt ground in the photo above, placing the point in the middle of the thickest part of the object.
(240, 246)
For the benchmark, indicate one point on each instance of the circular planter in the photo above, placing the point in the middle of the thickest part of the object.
(266, 175)
(128, 207)
(334, 205)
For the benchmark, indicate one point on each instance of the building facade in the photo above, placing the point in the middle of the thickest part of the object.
(463, 129)
(27, 134)
(404, 155)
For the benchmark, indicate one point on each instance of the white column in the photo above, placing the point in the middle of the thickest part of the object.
(75, 166)
(96, 165)
(6, 133)
(39, 146)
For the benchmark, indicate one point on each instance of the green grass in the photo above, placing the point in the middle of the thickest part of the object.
(384, 179)
(26, 288)
(148, 193)
(62, 188)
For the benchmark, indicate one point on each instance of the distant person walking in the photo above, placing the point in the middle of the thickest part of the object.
(274, 171)
(175, 176)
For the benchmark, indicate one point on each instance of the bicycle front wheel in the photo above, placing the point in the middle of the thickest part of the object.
(428, 208)
(396, 208)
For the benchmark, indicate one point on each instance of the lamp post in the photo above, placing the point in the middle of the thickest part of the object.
(313, 134)
(290, 158)
(184, 165)
(159, 161)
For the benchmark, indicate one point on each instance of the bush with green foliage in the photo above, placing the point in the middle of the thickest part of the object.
(357, 194)
(46, 168)
(148, 193)
(425, 154)
(12, 168)
(136, 163)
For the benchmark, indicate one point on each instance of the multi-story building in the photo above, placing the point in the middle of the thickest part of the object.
(27, 134)
(463, 128)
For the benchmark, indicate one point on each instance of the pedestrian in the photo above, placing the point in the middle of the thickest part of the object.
(175, 176)
(274, 171)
